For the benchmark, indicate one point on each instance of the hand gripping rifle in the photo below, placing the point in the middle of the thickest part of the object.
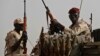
(56, 27)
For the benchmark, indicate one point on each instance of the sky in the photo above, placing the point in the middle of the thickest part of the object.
(36, 17)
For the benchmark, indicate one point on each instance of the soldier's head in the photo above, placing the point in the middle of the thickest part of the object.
(74, 14)
(18, 24)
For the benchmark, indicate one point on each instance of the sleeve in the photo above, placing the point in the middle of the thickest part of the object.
(10, 39)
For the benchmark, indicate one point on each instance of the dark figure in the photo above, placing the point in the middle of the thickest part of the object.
(15, 39)
(55, 26)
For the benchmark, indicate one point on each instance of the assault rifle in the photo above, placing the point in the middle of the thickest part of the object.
(24, 31)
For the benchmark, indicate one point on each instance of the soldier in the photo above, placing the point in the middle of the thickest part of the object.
(80, 28)
(15, 39)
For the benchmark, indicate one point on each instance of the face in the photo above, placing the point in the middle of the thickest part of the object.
(19, 26)
(74, 17)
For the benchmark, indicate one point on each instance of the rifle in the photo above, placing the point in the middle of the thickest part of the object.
(46, 7)
(80, 7)
(25, 21)
(91, 24)
(55, 25)
(41, 42)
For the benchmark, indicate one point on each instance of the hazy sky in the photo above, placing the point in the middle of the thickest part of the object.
(36, 18)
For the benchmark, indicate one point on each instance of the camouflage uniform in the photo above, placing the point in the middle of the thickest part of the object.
(14, 40)
(83, 35)
(82, 30)
(11, 39)
(56, 44)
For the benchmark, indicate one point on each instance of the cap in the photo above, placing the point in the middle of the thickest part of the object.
(18, 21)
(74, 10)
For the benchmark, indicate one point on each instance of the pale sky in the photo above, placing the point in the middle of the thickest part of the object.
(36, 17)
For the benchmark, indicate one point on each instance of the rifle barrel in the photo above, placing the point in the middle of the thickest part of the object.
(44, 3)
(25, 19)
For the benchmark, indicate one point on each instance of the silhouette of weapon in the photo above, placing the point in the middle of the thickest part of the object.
(46, 7)
(25, 25)
(91, 25)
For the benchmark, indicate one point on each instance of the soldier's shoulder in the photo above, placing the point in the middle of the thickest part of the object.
(11, 32)
(9, 35)
(82, 21)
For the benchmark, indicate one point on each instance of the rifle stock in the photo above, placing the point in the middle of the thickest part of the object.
(25, 23)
